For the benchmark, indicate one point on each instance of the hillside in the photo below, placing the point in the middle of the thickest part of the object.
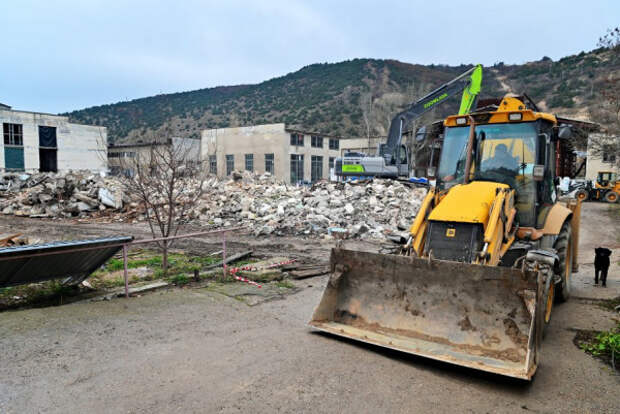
(334, 98)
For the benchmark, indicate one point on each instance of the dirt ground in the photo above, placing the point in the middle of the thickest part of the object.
(195, 350)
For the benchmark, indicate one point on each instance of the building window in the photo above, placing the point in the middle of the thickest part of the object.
(269, 163)
(316, 141)
(121, 154)
(13, 147)
(48, 154)
(331, 162)
(249, 162)
(213, 164)
(334, 144)
(297, 140)
(13, 134)
(316, 169)
(230, 164)
(297, 168)
(608, 157)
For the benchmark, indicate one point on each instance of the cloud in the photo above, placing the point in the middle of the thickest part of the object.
(68, 54)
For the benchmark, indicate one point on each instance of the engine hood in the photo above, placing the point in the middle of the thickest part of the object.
(467, 203)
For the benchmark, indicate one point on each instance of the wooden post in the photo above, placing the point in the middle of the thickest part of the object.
(224, 255)
(125, 270)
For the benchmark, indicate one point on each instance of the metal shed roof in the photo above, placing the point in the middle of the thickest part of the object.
(74, 260)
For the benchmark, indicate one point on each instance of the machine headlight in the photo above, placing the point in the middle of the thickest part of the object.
(515, 117)
(461, 121)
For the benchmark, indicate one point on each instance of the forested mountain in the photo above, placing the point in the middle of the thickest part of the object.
(351, 98)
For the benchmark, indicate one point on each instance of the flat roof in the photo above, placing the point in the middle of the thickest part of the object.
(64, 117)
(148, 144)
(32, 112)
(136, 145)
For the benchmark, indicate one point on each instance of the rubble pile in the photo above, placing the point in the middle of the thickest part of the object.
(360, 210)
(50, 195)
(366, 210)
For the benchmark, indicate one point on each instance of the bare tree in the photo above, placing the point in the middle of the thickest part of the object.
(611, 39)
(607, 113)
(167, 180)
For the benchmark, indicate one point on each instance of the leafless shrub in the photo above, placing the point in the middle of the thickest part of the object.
(611, 39)
(167, 179)
(607, 113)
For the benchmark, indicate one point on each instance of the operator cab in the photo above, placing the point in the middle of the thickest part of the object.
(513, 147)
(606, 179)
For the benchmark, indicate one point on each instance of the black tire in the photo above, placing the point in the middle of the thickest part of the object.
(564, 248)
(611, 197)
(582, 195)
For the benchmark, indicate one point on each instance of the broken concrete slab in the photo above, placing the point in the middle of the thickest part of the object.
(133, 290)
(310, 272)
(249, 294)
(230, 259)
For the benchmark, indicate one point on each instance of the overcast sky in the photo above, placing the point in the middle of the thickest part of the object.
(69, 54)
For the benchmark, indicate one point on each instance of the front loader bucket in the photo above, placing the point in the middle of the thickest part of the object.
(482, 317)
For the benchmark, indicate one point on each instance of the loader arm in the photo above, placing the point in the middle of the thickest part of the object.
(499, 234)
(417, 231)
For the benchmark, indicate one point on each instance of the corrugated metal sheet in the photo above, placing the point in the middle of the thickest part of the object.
(71, 260)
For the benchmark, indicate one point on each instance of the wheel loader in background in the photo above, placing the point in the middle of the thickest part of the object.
(489, 252)
(606, 187)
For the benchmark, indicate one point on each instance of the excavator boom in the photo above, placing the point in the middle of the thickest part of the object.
(390, 161)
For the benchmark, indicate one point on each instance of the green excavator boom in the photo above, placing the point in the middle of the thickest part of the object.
(470, 93)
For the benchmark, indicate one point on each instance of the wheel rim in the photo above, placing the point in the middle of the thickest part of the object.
(549, 304)
(611, 197)
(581, 196)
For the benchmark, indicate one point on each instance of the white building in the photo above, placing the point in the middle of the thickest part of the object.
(604, 162)
(34, 141)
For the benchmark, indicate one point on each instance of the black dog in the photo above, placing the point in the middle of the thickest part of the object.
(601, 264)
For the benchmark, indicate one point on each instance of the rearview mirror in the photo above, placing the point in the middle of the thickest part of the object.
(421, 134)
(565, 131)
(539, 172)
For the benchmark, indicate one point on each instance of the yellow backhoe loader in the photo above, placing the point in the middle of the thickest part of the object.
(489, 252)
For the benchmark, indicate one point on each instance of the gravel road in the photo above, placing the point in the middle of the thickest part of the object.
(194, 350)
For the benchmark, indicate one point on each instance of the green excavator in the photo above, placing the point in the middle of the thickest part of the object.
(394, 158)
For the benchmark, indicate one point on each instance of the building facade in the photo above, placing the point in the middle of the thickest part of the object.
(603, 162)
(122, 157)
(38, 142)
(290, 155)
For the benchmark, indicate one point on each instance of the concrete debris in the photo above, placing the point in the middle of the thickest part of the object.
(259, 203)
(230, 259)
(328, 210)
(309, 271)
(50, 195)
